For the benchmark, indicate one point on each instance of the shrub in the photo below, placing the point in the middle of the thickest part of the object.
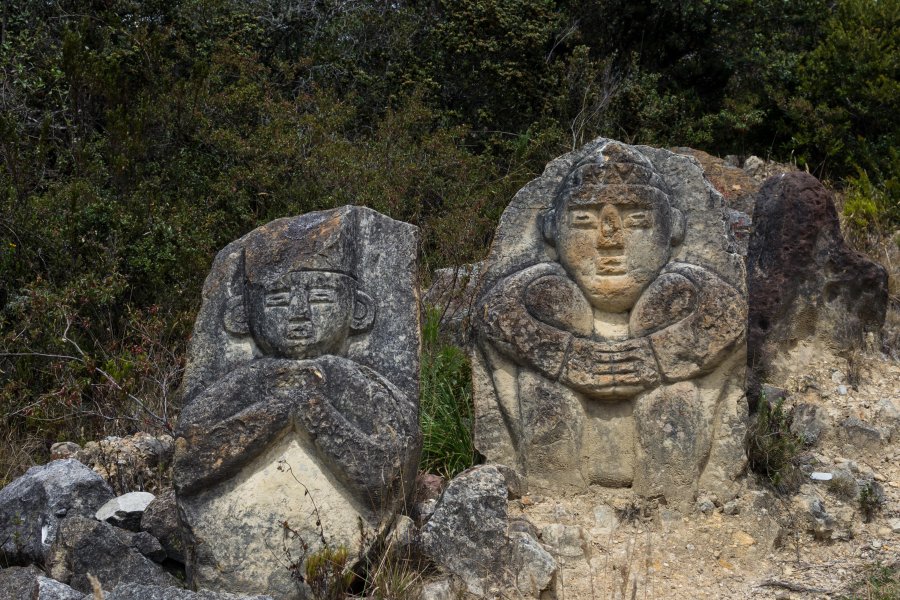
(871, 500)
(771, 446)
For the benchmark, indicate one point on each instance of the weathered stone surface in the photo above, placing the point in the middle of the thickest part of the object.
(125, 511)
(804, 282)
(32, 506)
(300, 426)
(466, 535)
(862, 435)
(139, 591)
(85, 546)
(160, 519)
(136, 462)
(737, 185)
(611, 324)
(29, 583)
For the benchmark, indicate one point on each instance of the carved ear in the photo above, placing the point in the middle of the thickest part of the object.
(547, 223)
(678, 226)
(235, 316)
(363, 312)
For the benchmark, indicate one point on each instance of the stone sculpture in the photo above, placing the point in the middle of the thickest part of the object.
(611, 329)
(300, 427)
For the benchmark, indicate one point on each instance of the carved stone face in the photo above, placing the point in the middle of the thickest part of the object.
(614, 246)
(303, 314)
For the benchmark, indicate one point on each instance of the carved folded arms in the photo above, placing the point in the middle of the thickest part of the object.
(358, 423)
(681, 327)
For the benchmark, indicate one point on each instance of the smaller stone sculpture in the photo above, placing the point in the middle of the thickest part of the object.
(611, 328)
(300, 430)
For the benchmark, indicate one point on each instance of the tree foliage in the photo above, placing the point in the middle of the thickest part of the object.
(138, 138)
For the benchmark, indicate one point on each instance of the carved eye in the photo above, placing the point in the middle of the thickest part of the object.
(278, 299)
(638, 220)
(321, 295)
(583, 219)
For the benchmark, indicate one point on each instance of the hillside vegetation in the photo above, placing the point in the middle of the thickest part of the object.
(138, 138)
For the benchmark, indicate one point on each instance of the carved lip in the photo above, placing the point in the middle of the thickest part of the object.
(299, 331)
(611, 265)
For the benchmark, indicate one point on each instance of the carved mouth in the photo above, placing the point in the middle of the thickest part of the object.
(302, 330)
(611, 265)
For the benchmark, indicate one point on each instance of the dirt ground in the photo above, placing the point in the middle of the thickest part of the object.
(760, 544)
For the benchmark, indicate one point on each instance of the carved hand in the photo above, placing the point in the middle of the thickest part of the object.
(610, 370)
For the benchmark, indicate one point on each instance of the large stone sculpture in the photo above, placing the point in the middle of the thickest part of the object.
(300, 429)
(611, 329)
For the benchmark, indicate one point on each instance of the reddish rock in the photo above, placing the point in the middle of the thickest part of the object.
(803, 280)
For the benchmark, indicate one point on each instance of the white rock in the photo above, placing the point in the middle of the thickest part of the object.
(126, 510)
(606, 519)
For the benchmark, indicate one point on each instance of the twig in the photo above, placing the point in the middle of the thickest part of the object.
(794, 587)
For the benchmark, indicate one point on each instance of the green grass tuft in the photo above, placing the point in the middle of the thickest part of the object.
(446, 405)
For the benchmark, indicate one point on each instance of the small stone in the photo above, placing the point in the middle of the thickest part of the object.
(437, 590)
(565, 540)
(160, 519)
(605, 519)
(809, 422)
(533, 566)
(741, 538)
(895, 525)
(706, 506)
(424, 510)
(732, 507)
(884, 531)
(61, 450)
(149, 546)
(837, 377)
(820, 476)
(842, 390)
(125, 511)
(429, 486)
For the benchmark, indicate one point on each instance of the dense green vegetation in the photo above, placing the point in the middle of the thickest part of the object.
(137, 138)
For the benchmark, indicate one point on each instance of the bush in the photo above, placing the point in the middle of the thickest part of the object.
(771, 446)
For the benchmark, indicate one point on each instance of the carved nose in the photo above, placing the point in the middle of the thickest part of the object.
(299, 307)
(610, 229)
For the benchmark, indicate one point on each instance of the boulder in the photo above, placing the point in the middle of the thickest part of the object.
(88, 546)
(805, 283)
(299, 432)
(29, 583)
(137, 462)
(160, 519)
(469, 536)
(32, 507)
(125, 511)
(140, 591)
(466, 535)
